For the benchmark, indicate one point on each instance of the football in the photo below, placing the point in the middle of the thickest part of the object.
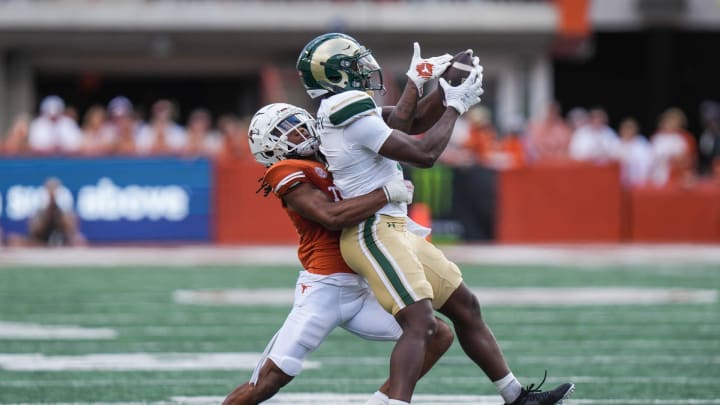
(459, 69)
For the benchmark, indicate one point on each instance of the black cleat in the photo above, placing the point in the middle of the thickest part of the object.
(531, 395)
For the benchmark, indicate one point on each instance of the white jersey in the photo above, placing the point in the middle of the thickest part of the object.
(352, 131)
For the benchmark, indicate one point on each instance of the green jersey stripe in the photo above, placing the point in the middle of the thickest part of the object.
(352, 109)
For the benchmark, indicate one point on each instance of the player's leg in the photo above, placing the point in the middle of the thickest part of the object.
(269, 381)
(438, 346)
(479, 343)
(455, 300)
(379, 250)
(418, 324)
(473, 334)
(313, 317)
(371, 321)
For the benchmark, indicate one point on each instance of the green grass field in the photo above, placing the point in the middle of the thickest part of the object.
(616, 354)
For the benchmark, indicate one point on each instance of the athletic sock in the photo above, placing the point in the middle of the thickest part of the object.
(397, 402)
(509, 388)
(378, 398)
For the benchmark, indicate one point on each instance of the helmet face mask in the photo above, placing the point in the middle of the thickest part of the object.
(333, 63)
(270, 131)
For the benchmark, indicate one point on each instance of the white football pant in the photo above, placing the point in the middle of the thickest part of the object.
(321, 304)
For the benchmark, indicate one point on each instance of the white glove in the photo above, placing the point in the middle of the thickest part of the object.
(467, 93)
(422, 70)
(399, 191)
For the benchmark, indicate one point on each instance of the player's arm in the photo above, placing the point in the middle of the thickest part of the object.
(429, 111)
(315, 205)
(412, 116)
(425, 151)
(403, 115)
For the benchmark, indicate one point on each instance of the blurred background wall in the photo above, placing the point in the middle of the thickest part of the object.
(628, 58)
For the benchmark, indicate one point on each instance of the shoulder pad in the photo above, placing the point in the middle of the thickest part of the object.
(348, 106)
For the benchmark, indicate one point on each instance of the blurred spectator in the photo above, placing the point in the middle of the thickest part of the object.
(510, 151)
(636, 155)
(673, 149)
(473, 181)
(52, 131)
(16, 140)
(72, 113)
(201, 141)
(234, 139)
(595, 141)
(161, 136)
(53, 224)
(576, 118)
(709, 144)
(548, 137)
(472, 140)
(455, 153)
(97, 136)
(122, 125)
(482, 136)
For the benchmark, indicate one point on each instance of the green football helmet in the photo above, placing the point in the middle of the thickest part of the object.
(334, 62)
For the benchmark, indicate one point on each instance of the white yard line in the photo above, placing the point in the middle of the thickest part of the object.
(247, 361)
(487, 296)
(457, 381)
(579, 255)
(595, 360)
(314, 399)
(35, 331)
(134, 362)
(642, 401)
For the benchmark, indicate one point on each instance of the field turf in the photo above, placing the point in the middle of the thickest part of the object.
(636, 354)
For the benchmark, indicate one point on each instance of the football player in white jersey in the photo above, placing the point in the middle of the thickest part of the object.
(409, 276)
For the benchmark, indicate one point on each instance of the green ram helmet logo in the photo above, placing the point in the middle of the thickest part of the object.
(334, 62)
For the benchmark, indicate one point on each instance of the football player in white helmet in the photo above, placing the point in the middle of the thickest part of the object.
(328, 293)
(409, 276)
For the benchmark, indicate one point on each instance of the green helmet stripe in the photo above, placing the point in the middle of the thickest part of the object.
(329, 63)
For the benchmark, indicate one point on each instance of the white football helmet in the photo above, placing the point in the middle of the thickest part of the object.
(269, 129)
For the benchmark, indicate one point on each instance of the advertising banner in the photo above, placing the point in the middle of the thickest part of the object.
(114, 199)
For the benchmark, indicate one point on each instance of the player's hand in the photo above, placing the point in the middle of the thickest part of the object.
(467, 93)
(424, 69)
(399, 191)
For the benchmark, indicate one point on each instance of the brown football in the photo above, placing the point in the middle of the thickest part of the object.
(459, 69)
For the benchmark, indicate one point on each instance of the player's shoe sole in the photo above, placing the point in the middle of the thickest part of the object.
(569, 392)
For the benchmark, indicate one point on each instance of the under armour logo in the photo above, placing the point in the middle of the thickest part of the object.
(303, 287)
(424, 69)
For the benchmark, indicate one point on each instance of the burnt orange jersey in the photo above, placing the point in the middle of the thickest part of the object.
(319, 250)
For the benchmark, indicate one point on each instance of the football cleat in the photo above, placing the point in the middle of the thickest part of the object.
(532, 395)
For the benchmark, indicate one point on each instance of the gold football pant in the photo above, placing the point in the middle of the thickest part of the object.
(400, 267)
